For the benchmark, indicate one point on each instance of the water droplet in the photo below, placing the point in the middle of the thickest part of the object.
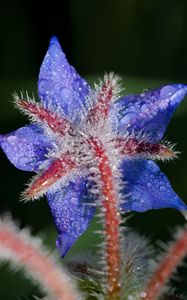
(65, 94)
(43, 87)
(156, 181)
(167, 91)
(12, 139)
(74, 200)
(144, 108)
(143, 294)
(162, 188)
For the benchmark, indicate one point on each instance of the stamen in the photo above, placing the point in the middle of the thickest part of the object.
(58, 168)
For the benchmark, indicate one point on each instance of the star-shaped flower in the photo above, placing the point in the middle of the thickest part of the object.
(79, 135)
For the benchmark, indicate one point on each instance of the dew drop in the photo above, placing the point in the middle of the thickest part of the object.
(12, 139)
(65, 94)
(143, 295)
(144, 108)
(156, 181)
(167, 91)
(162, 188)
(43, 87)
(73, 200)
(128, 118)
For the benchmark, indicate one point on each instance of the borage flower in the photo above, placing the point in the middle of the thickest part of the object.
(80, 136)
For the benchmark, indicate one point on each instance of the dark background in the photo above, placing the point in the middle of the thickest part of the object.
(138, 38)
(144, 41)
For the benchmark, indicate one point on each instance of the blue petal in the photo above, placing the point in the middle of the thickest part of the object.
(150, 111)
(59, 84)
(26, 147)
(71, 212)
(147, 187)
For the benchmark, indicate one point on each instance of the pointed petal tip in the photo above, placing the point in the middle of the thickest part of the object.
(148, 188)
(54, 40)
(55, 50)
(59, 85)
(64, 243)
(26, 156)
(178, 91)
(180, 86)
(179, 205)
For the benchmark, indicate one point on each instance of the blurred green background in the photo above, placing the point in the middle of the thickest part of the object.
(144, 41)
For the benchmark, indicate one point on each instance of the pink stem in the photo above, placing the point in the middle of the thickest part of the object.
(20, 248)
(165, 269)
(112, 222)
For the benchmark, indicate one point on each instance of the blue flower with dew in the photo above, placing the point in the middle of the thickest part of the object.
(72, 124)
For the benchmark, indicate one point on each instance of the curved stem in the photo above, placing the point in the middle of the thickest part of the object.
(167, 266)
(21, 249)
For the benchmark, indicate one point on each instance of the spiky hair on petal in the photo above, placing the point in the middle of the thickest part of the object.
(131, 146)
(58, 172)
(52, 121)
(25, 251)
(73, 118)
(98, 101)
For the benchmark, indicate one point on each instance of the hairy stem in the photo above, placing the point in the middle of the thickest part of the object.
(167, 266)
(21, 249)
(112, 221)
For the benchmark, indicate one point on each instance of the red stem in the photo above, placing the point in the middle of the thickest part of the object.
(112, 222)
(168, 265)
(20, 248)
